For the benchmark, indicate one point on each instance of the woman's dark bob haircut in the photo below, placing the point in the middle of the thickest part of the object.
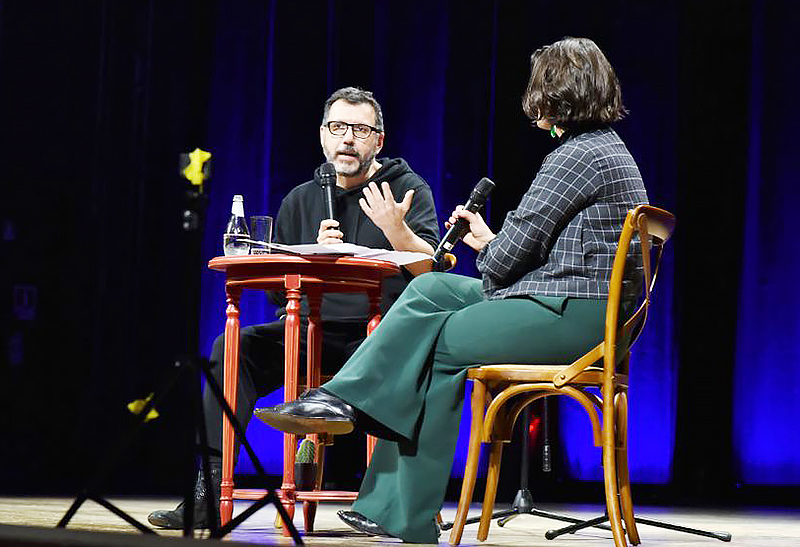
(573, 85)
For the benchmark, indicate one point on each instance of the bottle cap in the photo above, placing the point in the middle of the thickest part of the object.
(237, 207)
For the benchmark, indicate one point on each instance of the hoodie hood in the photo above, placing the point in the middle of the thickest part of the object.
(391, 169)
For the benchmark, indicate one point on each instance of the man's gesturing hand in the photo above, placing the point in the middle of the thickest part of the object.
(379, 205)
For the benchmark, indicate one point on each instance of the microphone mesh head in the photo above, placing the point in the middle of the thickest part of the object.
(484, 187)
(327, 173)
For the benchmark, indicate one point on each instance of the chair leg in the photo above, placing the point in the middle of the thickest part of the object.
(610, 471)
(626, 500)
(492, 477)
(471, 468)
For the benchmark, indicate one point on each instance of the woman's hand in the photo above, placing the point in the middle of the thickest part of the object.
(479, 234)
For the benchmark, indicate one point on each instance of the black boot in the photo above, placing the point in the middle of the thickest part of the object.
(173, 520)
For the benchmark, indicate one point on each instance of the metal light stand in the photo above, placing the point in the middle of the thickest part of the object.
(90, 492)
(195, 167)
(181, 366)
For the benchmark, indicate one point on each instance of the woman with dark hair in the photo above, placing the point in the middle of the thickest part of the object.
(541, 298)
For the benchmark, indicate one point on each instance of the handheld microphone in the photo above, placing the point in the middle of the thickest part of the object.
(327, 175)
(476, 200)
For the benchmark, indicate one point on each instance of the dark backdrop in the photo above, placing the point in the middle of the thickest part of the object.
(102, 289)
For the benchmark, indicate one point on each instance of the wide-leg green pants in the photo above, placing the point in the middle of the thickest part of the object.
(409, 376)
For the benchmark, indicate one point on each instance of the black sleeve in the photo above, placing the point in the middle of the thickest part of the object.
(421, 217)
(286, 222)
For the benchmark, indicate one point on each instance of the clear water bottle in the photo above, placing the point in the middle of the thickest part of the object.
(236, 240)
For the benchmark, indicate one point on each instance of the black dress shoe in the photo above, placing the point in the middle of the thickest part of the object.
(360, 523)
(173, 520)
(315, 411)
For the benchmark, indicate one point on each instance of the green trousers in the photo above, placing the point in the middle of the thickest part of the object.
(409, 377)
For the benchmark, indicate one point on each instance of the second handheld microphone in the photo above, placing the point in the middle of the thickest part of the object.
(476, 200)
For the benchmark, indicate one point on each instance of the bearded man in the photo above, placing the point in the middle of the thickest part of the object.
(351, 135)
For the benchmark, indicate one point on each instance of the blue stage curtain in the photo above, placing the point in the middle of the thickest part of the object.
(767, 376)
(450, 85)
(650, 132)
(274, 67)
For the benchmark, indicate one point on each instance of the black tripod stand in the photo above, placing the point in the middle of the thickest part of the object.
(195, 167)
(216, 531)
(597, 522)
(523, 501)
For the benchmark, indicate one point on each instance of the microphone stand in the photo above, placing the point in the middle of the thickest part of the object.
(523, 500)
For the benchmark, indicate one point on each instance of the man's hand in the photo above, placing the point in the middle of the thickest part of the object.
(479, 233)
(328, 234)
(387, 214)
(381, 208)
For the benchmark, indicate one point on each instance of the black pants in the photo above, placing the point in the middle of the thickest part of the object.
(261, 351)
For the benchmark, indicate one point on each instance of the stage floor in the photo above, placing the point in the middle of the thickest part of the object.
(755, 527)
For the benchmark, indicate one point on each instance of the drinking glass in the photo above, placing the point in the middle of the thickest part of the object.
(260, 234)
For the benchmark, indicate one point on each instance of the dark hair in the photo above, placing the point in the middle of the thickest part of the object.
(354, 95)
(573, 85)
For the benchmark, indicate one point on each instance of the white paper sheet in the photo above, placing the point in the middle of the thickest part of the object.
(401, 258)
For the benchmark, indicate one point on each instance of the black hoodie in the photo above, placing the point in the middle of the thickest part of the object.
(303, 209)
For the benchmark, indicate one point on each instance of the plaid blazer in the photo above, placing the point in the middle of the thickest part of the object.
(561, 239)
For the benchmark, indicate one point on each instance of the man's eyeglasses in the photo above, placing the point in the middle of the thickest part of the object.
(360, 130)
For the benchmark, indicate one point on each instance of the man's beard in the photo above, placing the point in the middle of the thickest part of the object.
(360, 169)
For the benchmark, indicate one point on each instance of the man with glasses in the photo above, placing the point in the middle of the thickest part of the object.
(368, 214)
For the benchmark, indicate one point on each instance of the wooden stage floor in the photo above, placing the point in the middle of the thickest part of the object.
(757, 527)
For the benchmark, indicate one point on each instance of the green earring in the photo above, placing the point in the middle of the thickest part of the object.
(553, 132)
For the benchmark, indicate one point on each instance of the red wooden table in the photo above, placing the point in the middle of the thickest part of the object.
(296, 275)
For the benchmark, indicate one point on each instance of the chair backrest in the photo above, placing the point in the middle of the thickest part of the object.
(652, 227)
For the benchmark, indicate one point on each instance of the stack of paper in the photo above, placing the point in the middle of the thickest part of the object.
(401, 258)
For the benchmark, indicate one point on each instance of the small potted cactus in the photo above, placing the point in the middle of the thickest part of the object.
(305, 465)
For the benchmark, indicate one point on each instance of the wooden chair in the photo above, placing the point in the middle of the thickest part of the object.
(500, 392)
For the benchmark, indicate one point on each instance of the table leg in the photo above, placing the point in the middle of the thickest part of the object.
(374, 310)
(230, 384)
(375, 319)
(313, 379)
(291, 358)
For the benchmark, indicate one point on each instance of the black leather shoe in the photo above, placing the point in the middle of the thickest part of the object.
(315, 411)
(173, 520)
(360, 523)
